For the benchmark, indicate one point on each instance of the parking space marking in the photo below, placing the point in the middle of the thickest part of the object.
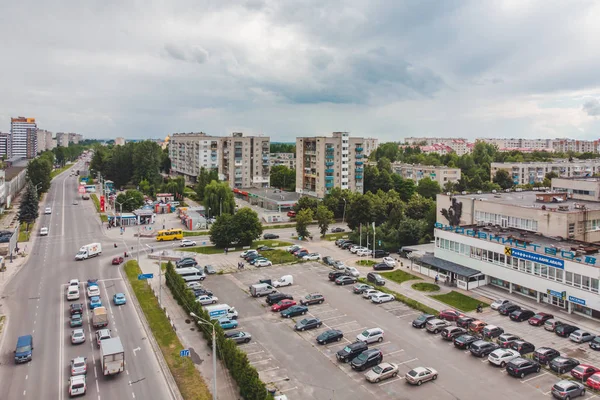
(535, 377)
(256, 352)
(394, 352)
(406, 362)
(339, 316)
(399, 378)
(406, 315)
(260, 361)
(288, 390)
(269, 369)
(345, 323)
(357, 330)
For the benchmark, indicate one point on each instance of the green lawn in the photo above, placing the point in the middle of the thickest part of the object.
(403, 299)
(270, 243)
(195, 233)
(335, 236)
(366, 263)
(60, 170)
(459, 301)
(204, 250)
(280, 257)
(94, 197)
(23, 234)
(425, 287)
(399, 276)
(188, 379)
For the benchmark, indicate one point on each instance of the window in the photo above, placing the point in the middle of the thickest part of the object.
(594, 286)
(569, 278)
(571, 229)
(559, 274)
(585, 282)
(577, 280)
(551, 273)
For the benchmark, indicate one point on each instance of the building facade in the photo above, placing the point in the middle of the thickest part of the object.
(190, 152)
(23, 137)
(523, 145)
(62, 139)
(4, 144)
(120, 141)
(578, 146)
(534, 172)
(416, 172)
(245, 160)
(287, 159)
(323, 163)
(440, 145)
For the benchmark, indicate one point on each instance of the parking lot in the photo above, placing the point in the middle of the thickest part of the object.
(299, 367)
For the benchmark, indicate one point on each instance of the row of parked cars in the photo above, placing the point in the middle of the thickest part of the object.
(360, 250)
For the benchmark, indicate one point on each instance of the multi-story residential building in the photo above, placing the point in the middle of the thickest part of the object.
(49, 142)
(190, 152)
(534, 172)
(522, 145)
(23, 137)
(244, 160)
(287, 159)
(323, 163)
(44, 140)
(62, 139)
(578, 146)
(4, 144)
(120, 141)
(74, 138)
(460, 146)
(541, 245)
(416, 172)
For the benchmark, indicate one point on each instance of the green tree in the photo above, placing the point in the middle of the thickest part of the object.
(503, 179)
(165, 161)
(38, 172)
(324, 217)
(548, 178)
(303, 219)
(247, 226)
(360, 211)
(145, 187)
(306, 202)
(204, 178)
(410, 231)
(130, 200)
(384, 164)
(218, 199)
(418, 207)
(28, 210)
(282, 147)
(223, 232)
(147, 157)
(428, 188)
(283, 177)
(405, 187)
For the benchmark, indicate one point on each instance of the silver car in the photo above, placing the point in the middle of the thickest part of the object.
(567, 389)
(381, 372)
(77, 336)
(421, 374)
(78, 366)
(581, 336)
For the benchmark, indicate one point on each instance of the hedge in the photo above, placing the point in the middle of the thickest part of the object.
(236, 361)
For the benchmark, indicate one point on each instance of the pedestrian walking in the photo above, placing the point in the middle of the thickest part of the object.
(436, 279)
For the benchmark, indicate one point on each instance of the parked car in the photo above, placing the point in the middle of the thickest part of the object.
(238, 337)
(352, 350)
(544, 355)
(419, 375)
(283, 305)
(421, 320)
(293, 248)
(540, 319)
(567, 389)
(263, 263)
(520, 367)
(312, 298)
(371, 335)
(364, 252)
(328, 260)
(333, 275)
(498, 303)
(294, 311)
(360, 288)
(595, 343)
(352, 271)
(521, 315)
(337, 230)
(563, 364)
(451, 332)
(346, 245)
(345, 280)
(389, 261)
(508, 308)
(186, 263)
(308, 323)
(522, 347)
(273, 298)
(501, 357)
(583, 372)
(551, 325)
(117, 261)
(187, 243)
(506, 339)
(464, 322)
(291, 214)
(353, 249)
(366, 359)
(492, 331)
(375, 278)
(481, 348)
(594, 381)
(339, 265)
(246, 253)
(209, 270)
(367, 294)
(380, 253)
(381, 372)
(436, 325)
(257, 259)
(565, 330)
(227, 323)
(382, 298)
(477, 326)
(465, 341)
(270, 236)
(382, 267)
(312, 257)
(331, 335)
(450, 315)
(264, 248)
(581, 336)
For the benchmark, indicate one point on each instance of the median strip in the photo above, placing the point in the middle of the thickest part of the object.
(406, 300)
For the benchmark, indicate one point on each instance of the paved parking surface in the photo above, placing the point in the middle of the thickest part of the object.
(299, 367)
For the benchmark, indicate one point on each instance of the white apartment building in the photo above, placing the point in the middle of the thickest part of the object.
(416, 172)
(4, 144)
(526, 145)
(287, 159)
(531, 172)
(244, 160)
(23, 137)
(460, 146)
(190, 152)
(323, 163)
(42, 140)
(578, 146)
(536, 244)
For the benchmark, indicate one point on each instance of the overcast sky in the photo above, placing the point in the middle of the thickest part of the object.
(386, 69)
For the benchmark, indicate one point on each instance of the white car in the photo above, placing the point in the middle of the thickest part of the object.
(93, 291)
(352, 271)
(364, 252)
(78, 366)
(354, 249)
(498, 303)
(371, 292)
(371, 335)
(382, 298)
(248, 252)
(44, 231)
(204, 300)
(194, 285)
(48, 210)
(187, 243)
(77, 386)
(312, 257)
(501, 357)
(263, 263)
(389, 261)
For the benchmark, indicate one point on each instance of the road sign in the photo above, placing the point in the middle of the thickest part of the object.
(184, 353)
(82, 189)
(379, 243)
(142, 277)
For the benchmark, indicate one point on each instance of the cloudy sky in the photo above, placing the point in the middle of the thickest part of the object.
(387, 69)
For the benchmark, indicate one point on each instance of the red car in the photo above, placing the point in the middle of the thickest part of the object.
(291, 214)
(283, 305)
(594, 381)
(583, 371)
(117, 261)
(450, 315)
(540, 319)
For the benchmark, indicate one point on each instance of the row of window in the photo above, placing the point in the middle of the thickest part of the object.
(576, 191)
(507, 221)
(528, 267)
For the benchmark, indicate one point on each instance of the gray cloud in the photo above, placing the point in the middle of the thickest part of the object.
(592, 107)
(196, 54)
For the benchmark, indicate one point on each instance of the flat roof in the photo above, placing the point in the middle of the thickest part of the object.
(11, 172)
(527, 199)
(274, 194)
(448, 266)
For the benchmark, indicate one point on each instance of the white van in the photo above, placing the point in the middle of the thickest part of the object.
(73, 293)
(190, 274)
(285, 280)
(44, 231)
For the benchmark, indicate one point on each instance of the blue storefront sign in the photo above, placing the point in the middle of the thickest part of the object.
(560, 295)
(577, 300)
(535, 257)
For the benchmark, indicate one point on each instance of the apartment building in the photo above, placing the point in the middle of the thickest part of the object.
(323, 163)
(541, 245)
(190, 152)
(439, 145)
(62, 139)
(23, 137)
(245, 160)
(522, 145)
(578, 146)
(49, 141)
(287, 159)
(416, 172)
(4, 144)
(534, 172)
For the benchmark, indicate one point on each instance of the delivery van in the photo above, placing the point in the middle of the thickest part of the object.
(285, 280)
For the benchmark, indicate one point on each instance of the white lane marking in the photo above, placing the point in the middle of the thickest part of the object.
(289, 390)
(63, 211)
(95, 372)
(261, 361)
(97, 386)
(406, 362)
(133, 395)
(24, 392)
(26, 377)
(127, 371)
(256, 352)
(269, 369)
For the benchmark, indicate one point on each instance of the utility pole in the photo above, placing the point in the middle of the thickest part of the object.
(360, 235)
(374, 242)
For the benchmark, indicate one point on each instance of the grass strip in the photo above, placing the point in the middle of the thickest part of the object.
(23, 234)
(406, 300)
(459, 301)
(335, 236)
(59, 170)
(191, 384)
(366, 263)
(399, 276)
(96, 201)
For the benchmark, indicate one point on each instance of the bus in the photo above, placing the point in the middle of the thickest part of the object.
(190, 274)
(169, 234)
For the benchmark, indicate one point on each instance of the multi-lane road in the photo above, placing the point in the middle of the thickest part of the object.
(35, 303)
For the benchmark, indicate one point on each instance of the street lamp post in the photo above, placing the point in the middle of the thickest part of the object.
(344, 215)
(159, 274)
(214, 351)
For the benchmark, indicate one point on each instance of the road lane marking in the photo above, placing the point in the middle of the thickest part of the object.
(97, 386)
(133, 395)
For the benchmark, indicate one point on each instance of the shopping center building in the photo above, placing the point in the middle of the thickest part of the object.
(542, 245)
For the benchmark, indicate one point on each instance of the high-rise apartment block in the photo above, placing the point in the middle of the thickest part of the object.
(523, 173)
(189, 152)
(578, 146)
(62, 139)
(524, 145)
(286, 159)
(4, 144)
(440, 145)
(323, 163)
(23, 137)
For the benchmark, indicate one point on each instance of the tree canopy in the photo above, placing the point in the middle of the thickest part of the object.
(283, 177)
(218, 199)
(28, 210)
(241, 228)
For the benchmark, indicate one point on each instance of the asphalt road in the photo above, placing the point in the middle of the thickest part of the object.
(35, 304)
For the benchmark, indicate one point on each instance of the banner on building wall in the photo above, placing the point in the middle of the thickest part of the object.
(535, 257)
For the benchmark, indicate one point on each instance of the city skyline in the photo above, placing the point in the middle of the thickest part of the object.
(466, 69)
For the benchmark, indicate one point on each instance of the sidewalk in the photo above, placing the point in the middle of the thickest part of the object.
(200, 353)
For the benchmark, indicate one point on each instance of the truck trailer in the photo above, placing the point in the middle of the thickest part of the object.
(113, 356)
(99, 317)
(217, 311)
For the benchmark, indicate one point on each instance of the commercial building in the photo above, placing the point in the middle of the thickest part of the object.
(542, 245)
(287, 159)
(323, 163)
(244, 160)
(440, 145)
(416, 172)
(23, 137)
(120, 141)
(189, 152)
(531, 172)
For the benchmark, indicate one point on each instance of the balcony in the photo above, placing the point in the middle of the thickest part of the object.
(329, 156)
(329, 178)
(358, 156)
(357, 170)
(359, 176)
(329, 184)
(329, 170)
(310, 152)
(329, 149)
(358, 163)
(329, 163)
(359, 149)
(265, 162)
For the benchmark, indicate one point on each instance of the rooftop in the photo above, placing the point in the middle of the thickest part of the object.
(557, 201)
(274, 194)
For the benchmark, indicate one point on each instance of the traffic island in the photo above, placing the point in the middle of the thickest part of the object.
(403, 299)
(425, 287)
(189, 381)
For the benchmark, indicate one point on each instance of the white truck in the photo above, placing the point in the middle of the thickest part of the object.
(217, 311)
(88, 251)
(99, 317)
(113, 356)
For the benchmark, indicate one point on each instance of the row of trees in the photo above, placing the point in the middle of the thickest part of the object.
(282, 147)
(283, 177)
(240, 229)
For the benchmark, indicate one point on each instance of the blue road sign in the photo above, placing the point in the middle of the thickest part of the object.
(142, 277)
(184, 353)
